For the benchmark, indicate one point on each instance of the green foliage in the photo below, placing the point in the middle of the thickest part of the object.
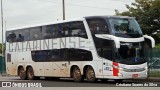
(145, 12)
(154, 73)
(157, 46)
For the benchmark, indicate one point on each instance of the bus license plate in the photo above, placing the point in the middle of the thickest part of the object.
(135, 75)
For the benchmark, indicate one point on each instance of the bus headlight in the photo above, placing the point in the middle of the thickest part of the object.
(121, 69)
(146, 68)
(120, 74)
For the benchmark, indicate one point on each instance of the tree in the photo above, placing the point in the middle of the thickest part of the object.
(146, 13)
(0, 48)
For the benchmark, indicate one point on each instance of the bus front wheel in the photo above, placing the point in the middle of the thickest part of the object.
(77, 74)
(30, 73)
(22, 73)
(90, 75)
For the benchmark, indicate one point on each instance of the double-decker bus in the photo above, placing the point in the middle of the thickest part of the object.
(91, 48)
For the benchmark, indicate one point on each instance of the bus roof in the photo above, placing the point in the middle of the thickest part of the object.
(63, 21)
(43, 24)
(110, 17)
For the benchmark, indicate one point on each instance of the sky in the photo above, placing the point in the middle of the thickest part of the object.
(19, 13)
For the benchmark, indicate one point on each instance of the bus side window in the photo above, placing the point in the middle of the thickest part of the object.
(8, 57)
(77, 29)
(65, 29)
(59, 30)
(48, 32)
(35, 33)
(98, 26)
(20, 38)
(56, 32)
(79, 55)
(11, 37)
(56, 55)
(26, 35)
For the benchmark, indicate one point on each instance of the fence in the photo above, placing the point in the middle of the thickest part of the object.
(153, 57)
(2, 65)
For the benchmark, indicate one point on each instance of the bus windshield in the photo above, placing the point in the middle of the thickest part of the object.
(124, 27)
(130, 53)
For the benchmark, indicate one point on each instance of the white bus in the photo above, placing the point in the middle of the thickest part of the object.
(91, 48)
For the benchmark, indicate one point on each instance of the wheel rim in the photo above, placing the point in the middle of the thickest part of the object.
(22, 73)
(77, 74)
(30, 74)
(90, 75)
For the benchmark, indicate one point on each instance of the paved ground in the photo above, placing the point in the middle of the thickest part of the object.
(84, 88)
(63, 82)
(69, 84)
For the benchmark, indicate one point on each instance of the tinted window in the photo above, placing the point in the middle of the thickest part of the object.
(77, 29)
(49, 55)
(61, 55)
(18, 35)
(98, 26)
(65, 29)
(35, 33)
(61, 30)
(23, 35)
(79, 55)
(124, 27)
(48, 31)
(103, 46)
(8, 57)
(11, 36)
(42, 56)
(69, 29)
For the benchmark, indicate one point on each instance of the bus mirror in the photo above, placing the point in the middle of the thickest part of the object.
(151, 39)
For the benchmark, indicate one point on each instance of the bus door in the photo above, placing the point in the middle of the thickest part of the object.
(107, 62)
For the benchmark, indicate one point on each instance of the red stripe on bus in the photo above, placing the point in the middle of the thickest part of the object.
(115, 70)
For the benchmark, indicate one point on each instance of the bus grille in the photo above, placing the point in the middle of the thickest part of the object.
(134, 70)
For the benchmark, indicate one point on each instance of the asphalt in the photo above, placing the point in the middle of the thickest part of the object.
(149, 79)
(155, 79)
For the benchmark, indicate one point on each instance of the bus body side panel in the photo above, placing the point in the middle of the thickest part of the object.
(11, 67)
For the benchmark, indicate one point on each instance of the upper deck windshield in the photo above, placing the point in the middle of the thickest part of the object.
(125, 27)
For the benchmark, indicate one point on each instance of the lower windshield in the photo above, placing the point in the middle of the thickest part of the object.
(130, 53)
(125, 27)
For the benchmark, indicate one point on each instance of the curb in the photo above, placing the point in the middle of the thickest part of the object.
(155, 79)
(149, 79)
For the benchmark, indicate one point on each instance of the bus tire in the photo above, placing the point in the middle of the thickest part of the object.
(22, 73)
(77, 76)
(30, 73)
(90, 75)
